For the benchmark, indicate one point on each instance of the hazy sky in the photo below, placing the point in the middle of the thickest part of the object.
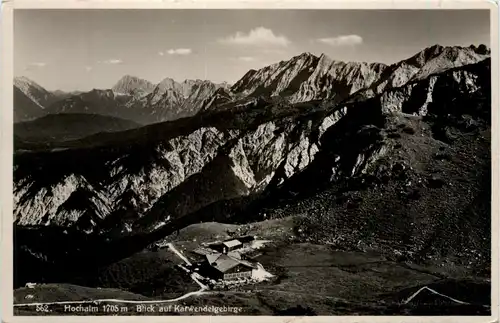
(85, 49)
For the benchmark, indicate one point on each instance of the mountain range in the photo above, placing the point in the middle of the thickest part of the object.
(130, 98)
(364, 156)
(304, 82)
(302, 78)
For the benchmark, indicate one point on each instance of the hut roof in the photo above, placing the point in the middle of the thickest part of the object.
(232, 243)
(223, 262)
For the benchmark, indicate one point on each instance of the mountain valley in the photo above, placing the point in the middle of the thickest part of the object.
(351, 167)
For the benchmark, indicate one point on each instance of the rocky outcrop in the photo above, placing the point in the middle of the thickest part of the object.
(307, 77)
(217, 100)
(432, 60)
(133, 85)
(275, 78)
(101, 102)
(141, 101)
(337, 80)
(138, 177)
(30, 99)
(418, 97)
(170, 163)
(171, 100)
(254, 157)
(34, 91)
(25, 109)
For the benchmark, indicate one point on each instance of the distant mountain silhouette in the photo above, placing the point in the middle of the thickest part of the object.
(30, 99)
(62, 127)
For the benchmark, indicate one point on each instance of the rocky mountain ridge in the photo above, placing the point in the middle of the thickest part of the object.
(138, 100)
(171, 100)
(30, 99)
(133, 85)
(303, 78)
(307, 77)
(146, 174)
(431, 60)
(34, 91)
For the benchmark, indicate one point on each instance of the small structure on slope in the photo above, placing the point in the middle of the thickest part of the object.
(222, 266)
(226, 246)
(232, 244)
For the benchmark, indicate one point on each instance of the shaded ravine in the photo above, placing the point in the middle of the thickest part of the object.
(201, 291)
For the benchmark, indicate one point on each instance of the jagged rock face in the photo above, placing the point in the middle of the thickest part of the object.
(307, 77)
(166, 89)
(133, 85)
(277, 78)
(416, 97)
(168, 165)
(33, 91)
(25, 109)
(138, 100)
(171, 100)
(331, 79)
(199, 90)
(225, 86)
(61, 95)
(255, 156)
(300, 79)
(217, 100)
(432, 60)
(138, 177)
(227, 155)
(103, 102)
(30, 99)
